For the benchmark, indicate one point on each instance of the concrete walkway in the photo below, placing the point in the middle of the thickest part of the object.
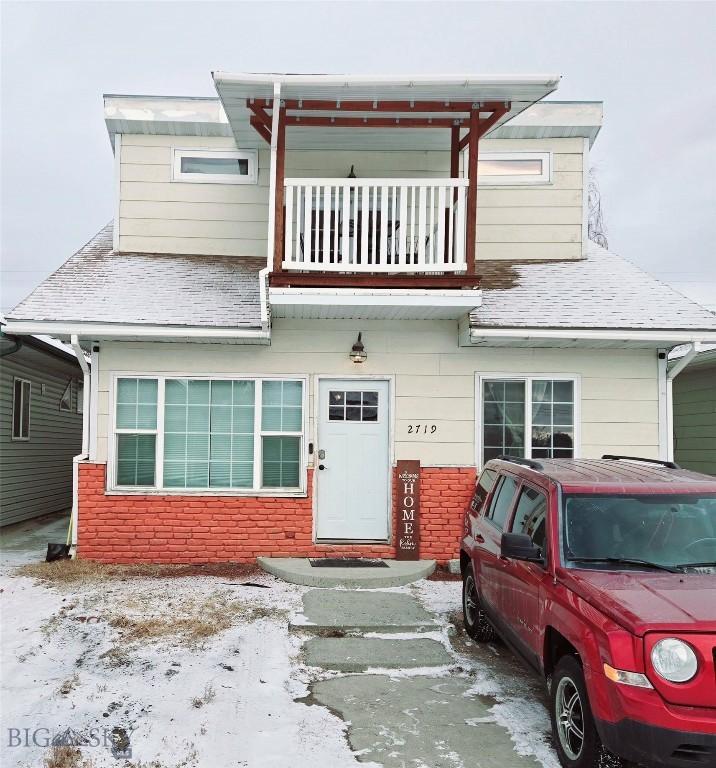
(26, 542)
(298, 570)
(422, 712)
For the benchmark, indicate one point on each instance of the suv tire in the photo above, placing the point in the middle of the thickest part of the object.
(573, 730)
(474, 618)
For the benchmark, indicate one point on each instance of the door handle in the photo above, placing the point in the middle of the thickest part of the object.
(479, 538)
(321, 467)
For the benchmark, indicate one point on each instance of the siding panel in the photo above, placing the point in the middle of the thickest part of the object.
(36, 476)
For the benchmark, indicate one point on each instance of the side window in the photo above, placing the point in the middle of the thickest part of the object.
(502, 501)
(483, 487)
(531, 516)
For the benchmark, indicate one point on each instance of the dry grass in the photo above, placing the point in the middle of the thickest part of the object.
(78, 572)
(208, 695)
(66, 757)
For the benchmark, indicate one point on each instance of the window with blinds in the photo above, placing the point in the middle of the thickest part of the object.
(196, 434)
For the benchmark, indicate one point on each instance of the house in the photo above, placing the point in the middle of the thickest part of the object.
(41, 398)
(695, 412)
(312, 279)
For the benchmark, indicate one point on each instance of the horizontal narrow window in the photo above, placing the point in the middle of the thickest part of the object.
(514, 168)
(209, 433)
(215, 166)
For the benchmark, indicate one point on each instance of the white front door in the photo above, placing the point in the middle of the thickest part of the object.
(352, 460)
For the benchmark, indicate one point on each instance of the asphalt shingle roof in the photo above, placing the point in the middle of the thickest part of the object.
(97, 285)
(601, 291)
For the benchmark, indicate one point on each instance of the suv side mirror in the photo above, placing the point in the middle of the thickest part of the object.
(519, 546)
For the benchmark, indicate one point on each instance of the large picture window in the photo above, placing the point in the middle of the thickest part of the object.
(528, 417)
(194, 434)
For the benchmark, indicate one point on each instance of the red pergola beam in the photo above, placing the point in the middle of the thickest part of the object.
(261, 129)
(390, 106)
(485, 124)
(375, 122)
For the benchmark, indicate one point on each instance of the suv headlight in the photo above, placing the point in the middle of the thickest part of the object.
(674, 660)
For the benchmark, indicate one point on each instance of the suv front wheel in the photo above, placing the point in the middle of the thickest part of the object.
(573, 730)
(474, 618)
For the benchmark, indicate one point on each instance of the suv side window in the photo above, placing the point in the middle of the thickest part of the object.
(482, 489)
(502, 501)
(531, 516)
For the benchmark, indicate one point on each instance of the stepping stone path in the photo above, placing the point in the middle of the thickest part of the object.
(398, 719)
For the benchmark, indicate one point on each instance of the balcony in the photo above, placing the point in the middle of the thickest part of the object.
(366, 226)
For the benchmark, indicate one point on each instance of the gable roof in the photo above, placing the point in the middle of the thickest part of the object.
(601, 291)
(102, 286)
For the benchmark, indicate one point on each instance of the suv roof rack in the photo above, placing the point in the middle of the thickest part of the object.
(525, 462)
(667, 464)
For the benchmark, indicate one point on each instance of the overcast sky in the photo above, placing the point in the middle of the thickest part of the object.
(651, 63)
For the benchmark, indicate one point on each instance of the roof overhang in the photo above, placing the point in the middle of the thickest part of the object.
(164, 115)
(237, 91)
(372, 304)
(64, 330)
(579, 337)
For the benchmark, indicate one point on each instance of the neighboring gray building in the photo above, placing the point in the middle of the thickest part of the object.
(695, 414)
(40, 427)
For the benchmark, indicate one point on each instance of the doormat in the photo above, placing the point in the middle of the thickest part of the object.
(347, 562)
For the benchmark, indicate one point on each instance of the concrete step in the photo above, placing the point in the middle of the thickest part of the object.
(357, 654)
(298, 570)
(360, 611)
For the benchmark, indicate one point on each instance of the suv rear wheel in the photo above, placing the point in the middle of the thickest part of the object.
(573, 730)
(474, 618)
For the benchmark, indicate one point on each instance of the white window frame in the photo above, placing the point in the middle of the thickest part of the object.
(251, 155)
(67, 390)
(20, 438)
(484, 180)
(79, 405)
(528, 378)
(259, 433)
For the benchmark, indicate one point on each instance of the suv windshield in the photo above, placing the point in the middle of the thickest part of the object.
(662, 532)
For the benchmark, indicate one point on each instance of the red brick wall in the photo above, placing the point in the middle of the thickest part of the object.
(206, 529)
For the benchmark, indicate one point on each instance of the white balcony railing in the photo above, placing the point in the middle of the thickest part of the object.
(375, 225)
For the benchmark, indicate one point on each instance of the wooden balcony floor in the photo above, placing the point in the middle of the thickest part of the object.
(373, 280)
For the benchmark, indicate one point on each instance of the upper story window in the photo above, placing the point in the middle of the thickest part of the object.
(514, 168)
(215, 166)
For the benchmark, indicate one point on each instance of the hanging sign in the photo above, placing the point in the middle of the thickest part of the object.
(408, 533)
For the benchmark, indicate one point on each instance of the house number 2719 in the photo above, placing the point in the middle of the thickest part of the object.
(422, 429)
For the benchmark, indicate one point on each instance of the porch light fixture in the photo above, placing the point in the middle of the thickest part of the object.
(358, 353)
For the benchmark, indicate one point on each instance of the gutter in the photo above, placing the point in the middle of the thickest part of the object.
(83, 456)
(16, 341)
(600, 334)
(126, 331)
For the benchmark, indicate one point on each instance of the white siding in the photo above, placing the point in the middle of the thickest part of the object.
(161, 216)
(434, 380)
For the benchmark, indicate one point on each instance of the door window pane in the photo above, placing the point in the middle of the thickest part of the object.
(531, 515)
(502, 501)
(352, 406)
(503, 419)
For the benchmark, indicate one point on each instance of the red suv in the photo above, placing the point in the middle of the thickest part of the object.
(601, 574)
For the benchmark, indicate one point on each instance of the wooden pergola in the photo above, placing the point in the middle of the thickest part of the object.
(466, 121)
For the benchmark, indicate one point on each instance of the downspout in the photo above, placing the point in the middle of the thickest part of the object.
(87, 382)
(671, 374)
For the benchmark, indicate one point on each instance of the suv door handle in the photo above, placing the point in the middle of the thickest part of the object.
(479, 538)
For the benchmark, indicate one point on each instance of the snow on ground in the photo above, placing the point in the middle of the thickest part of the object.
(131, 655)
(519, 706)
